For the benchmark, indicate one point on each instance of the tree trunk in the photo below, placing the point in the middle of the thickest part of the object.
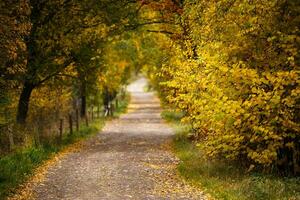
(24, 102)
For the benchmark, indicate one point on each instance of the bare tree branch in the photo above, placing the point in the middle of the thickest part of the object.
(160, 31)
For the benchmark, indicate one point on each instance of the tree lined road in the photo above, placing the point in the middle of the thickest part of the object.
(129, 159)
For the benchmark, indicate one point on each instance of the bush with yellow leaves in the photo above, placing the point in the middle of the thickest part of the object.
(236, 76)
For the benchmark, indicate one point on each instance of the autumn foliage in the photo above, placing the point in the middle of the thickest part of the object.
(233, 68)
(55, 62)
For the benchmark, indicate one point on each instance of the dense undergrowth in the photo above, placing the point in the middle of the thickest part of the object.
(233, 68)
(223, 179)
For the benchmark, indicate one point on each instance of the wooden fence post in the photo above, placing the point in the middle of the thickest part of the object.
(61, 129)
(111, 108)
(10, 137)
(98, 111)
(77, 120)
(39, 134)
(87, 119)
(117, 103)
(92, 113)
(71, 124)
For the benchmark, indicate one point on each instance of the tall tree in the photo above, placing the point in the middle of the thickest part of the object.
(14, 26)
(55, 27)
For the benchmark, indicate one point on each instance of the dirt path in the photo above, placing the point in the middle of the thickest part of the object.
(128, 160)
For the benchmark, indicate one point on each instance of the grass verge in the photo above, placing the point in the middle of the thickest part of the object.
(224, 180)
(17, 167)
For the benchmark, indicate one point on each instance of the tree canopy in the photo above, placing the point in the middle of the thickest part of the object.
(232, 67)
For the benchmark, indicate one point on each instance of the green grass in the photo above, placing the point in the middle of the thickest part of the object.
(17, 167)
(225, 180)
